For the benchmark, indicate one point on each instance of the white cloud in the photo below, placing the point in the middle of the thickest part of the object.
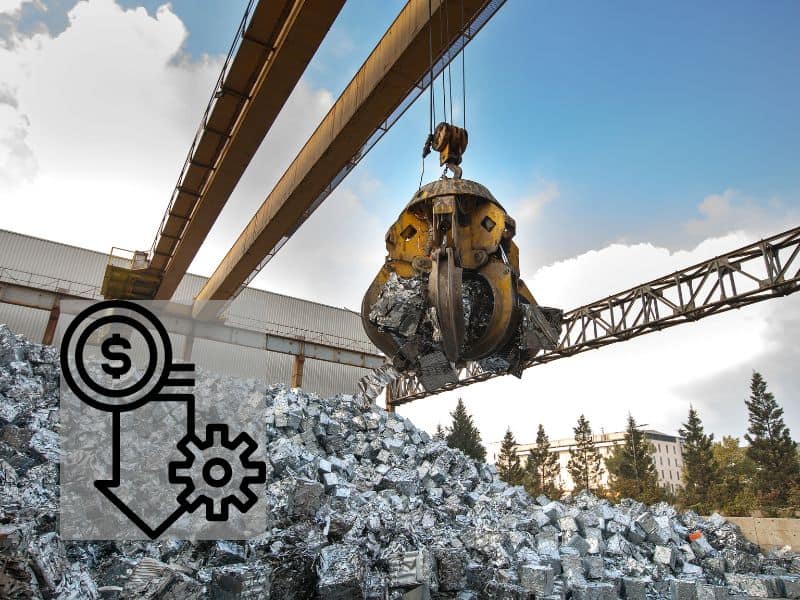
(17, 162)
(95, 124)
(734, 211)
(10, 6)
(336, 254)
(617, 267)
(303, 111)
(528, 208)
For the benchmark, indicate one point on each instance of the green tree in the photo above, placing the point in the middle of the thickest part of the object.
(632, 469)
(584, 464)
(542, 468)
(440, 433)
(463, 434)
(508, 464)
(700, 469)
(732, 494)
(771, 447)
(794, 501)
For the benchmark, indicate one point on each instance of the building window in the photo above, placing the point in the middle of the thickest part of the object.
(668, 461)
(662, 473)
(659, 447)
(661, 460)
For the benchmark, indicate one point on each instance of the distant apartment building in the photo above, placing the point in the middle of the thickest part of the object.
(667, 453)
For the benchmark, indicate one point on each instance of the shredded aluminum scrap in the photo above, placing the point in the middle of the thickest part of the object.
(403, 312)
(361, 504)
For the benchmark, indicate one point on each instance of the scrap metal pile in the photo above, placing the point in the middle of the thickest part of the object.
(450, 290)
(361, 504)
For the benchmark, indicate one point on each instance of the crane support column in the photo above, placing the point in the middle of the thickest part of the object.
(188, 346)
(297, 370)
(52, 322)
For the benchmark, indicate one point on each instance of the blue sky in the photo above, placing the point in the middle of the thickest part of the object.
(637, 111)
(629, 139)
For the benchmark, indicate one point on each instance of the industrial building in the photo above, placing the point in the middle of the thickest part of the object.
(35, 273)
(667, 454)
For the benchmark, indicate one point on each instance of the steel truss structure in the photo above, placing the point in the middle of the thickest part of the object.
(757, 272)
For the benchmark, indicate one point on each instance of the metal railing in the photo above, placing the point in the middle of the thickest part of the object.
(201, 129)
(56, 285)
(308, 335)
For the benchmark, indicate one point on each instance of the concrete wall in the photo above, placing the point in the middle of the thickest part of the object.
(770, 533)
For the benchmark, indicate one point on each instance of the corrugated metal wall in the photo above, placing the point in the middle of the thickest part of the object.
(27, 254)
(27, 321)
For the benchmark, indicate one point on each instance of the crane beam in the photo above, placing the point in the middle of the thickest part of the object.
(392, 77)
(270, 53)
(22, 288)
(760, 271)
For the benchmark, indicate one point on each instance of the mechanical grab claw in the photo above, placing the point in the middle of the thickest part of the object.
(450, 289)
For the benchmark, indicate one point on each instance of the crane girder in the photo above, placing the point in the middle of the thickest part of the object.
(271, 52)
(392, 77)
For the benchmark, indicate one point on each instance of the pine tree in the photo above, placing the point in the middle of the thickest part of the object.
(542, 468)
(632, 468)
(771, 446)
(733, 492)
(463, 434)
(440, 433)
(584, 462)
(700, 469)
(508, 464)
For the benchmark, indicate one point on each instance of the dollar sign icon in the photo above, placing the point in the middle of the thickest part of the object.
(116, 340)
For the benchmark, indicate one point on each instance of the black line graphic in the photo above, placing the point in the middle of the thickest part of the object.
(159, 374)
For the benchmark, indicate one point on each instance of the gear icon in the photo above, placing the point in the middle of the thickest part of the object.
(217, 472)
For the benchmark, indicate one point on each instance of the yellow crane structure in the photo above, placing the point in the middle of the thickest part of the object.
(273, 45)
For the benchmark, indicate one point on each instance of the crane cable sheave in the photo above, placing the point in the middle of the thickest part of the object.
(450, 142)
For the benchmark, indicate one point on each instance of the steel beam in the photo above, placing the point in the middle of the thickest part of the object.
(182, 324)
(760, 271)
(393, 76)
(271, 52)
(219, 332)
(20, 295)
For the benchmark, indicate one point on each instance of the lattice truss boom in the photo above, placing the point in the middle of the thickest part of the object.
(756, 272)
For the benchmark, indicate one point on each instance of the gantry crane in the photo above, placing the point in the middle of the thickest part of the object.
(274, 43)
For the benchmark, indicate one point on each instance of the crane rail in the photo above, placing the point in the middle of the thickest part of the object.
(273, 44)
(760, 271)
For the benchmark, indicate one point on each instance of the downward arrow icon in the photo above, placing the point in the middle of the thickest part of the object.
(128, 487)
